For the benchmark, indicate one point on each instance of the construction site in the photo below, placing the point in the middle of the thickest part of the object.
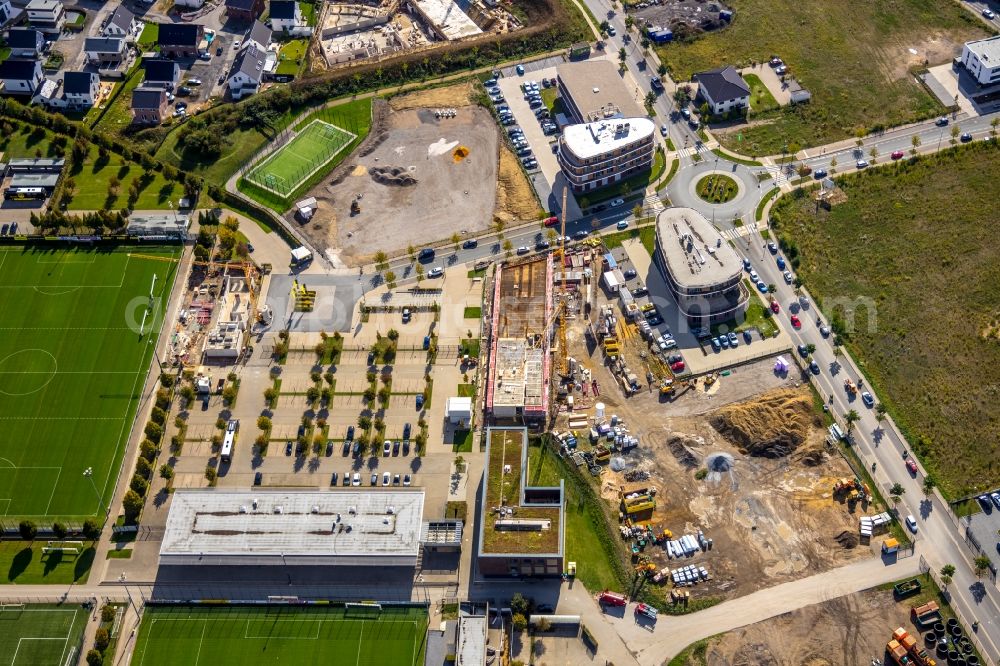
(359, 30)
(906, 625)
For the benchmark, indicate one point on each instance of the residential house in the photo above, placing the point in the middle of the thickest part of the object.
(104, 51)
(180, 40)
(149, 105)
(20, 77)
(7, 12)
(285, 15)
(25, 43)
(122, 24)
(244, 10)
(49, 16)
(247, 73)
(259, 35)
(80, 89)
(723, 89)
(192, 4)
(161, 74)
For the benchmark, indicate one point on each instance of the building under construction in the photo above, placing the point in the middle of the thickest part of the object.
(520, 340)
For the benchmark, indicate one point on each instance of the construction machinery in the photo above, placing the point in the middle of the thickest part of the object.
(667, 387)
(637, 500)
(898, 653)
(850, 387)
(355, 207)
(561, 257)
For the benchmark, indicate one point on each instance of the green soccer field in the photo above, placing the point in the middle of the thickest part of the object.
(313, 147)
(72, 367)
(41, 635)
(181, 636)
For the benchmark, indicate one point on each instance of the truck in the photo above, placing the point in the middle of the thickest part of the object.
(850, 387)
(608, 598)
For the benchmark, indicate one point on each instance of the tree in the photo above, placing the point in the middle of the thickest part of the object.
(419, 273)
(929, 483)
(650, 98)
(915, 141)
(993, 126)
(954, 133)
(851, 417)
(390, 279)
(833, 165)
(107, 613)
(873, 153)
(947, 573)
(59, 530)
(94, 658)
(166, 471)
(622, 56)
(518, 604)
(312, 394)
(380, 259)
(263, 423)
(507, 246)
(456, 240)
(143, 468)
(981, 564)
(28, 530)
(629, 22)
(637, 211)
(604, 28)
(498, 226)
(91, 528)
(520, 622)
(880, 411)
(229, 394)
(139, 485)
(411, 251)
(661, 70)
(896, 492)
(459, 464)
(102, 638)
(132, 504)
(811, 348)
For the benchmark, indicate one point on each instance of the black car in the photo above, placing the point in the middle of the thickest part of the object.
(630, 273)
(395, 448)
(803, 351)
(288, 448)
(640, 291)
(218, 51)
(258, 478)
(406, 447)
(333, 479)
(329, 448)
(542, 245)
(406, 431)
(371, 358)
(544, 608)
(426, 254)
(347, 448)
(301, 432)
(350, 433)
(655, 320)
(471, 243)
(357, 449)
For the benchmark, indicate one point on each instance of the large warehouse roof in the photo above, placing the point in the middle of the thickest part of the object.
(289, 527)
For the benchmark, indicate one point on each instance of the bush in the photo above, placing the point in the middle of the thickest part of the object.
(229, 394)
(107, 613)
(94, 658)
(132, 505)
(166, 472)
(211, 474)
(91, 528)
(143, 468)
(59, 530)
(153, 432)
(518, 604)
(520, 622)
(28, 530)
(102, 639)
(158, 416)
(139, 485)
(147, 450)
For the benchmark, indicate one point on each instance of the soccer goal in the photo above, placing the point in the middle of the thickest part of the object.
(11, 611)
(362, 609)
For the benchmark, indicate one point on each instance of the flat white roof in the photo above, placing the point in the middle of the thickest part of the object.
(471, 648)
(695, 252)
(593, 139)
(448, 17)
(987, 50)
(458, 405)
(356, 527)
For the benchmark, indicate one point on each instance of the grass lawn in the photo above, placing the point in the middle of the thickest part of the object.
(549, 96)
(470, 347)
(23, 563)
(150, 33)
(72, 372)
(915, 242)
(290, 56)
(854, 62)
(761, 99)
(308, 10)
(773, 192)
(473, 313)
(717, 188)
(4, 53)
(462, 441)
(42, 633)
(466, 390)
(646, 234)
(118, 115)
(94, 179)
(26, 142)
(756, 316)
(627, 186)
(294, 635)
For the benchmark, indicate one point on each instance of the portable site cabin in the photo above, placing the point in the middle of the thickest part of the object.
(301, 256)
(459, 410)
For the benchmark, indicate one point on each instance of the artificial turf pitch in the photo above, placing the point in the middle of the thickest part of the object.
(72, 368)
(292, 164)
(224, 636)
(40, 635)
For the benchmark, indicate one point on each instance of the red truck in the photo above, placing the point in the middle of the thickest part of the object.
(607, 598)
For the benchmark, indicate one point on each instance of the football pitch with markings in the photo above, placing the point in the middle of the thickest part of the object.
(72, 368)
(224, 636)
(41, 635)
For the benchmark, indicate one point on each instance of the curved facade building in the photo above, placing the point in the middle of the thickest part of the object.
(702, 270)
(598, 154)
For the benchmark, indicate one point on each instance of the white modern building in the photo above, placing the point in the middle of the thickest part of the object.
(359, 528)
(46, 15)
(982, 59)
(597, 154)
(723, 89)
(702, 270)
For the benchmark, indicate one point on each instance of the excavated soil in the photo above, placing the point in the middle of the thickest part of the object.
(447, 96)
(772, 425)
(515, 196)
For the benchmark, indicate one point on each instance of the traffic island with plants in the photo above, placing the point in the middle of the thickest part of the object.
(717, 188)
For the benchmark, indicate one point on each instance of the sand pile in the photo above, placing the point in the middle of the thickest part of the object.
(772, 425)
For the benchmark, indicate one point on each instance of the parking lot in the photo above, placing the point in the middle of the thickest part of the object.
(546, 177)
(985, 527)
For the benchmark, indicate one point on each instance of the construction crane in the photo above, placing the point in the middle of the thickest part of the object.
(561, 254)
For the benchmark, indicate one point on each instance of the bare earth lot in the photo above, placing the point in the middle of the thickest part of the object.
(444, 170)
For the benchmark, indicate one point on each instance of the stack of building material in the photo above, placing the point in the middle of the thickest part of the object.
(689, 575)
(869, 524)
(684, 546)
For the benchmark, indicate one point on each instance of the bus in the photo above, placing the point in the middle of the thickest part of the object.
(230, 440)
(24, 193)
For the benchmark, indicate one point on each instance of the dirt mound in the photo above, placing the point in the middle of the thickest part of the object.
(680, 446)
(773, 425)
(847, 539)
(460, 154)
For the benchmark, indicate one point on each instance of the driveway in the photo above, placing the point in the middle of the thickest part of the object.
(772, 81)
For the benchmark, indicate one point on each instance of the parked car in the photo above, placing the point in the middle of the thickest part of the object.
(218, 51)
(646, 610)
(996, 499)
(550, 221)
(395, 479)
(824, 331)
(194, 82)
(803, 351)
(356, 479)
(630, 273)
(541, 245)
(716, 344)
(333, 479)
(524, 249)
(655, 320)
(724, 341)
(385, 478)
(329, 448)
(788, 277)
(520, 70)
(406, 447)
(775, 307)
(867, 398)
(772, 247)
(897, 154)
(616, 203)
(796, 322)
(374, 479)
(663, 130)
(911, 523)
(204, 55)
(911, 465)
(733, 340)
(406, 480)
(386, 446)
(406, 315)
(347, 478)
(435, 272)
(258, 478)
(678, 366)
